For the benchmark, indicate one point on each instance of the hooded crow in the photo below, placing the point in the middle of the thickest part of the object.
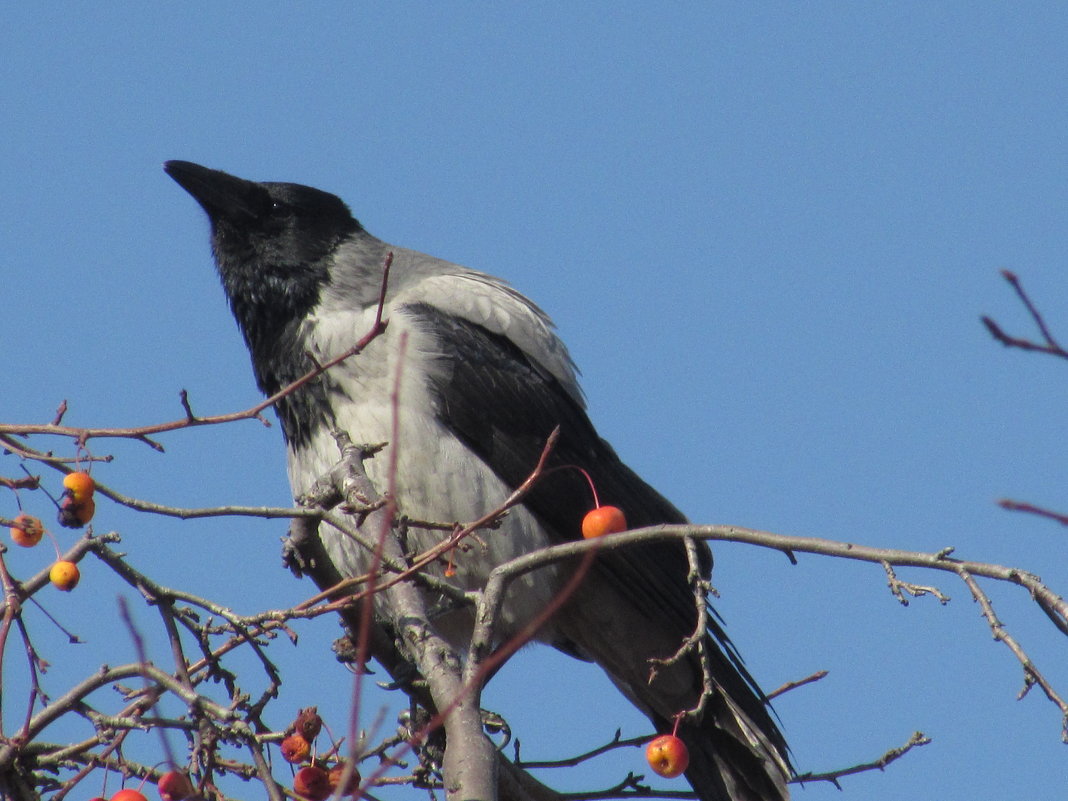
(484, 381)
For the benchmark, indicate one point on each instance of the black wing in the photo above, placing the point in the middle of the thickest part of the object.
(503, 406)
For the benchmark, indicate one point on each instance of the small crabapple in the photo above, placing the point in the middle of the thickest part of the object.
(312, 782)
(295, 749)
(667, 756)
(129, 795)
(603, 520)
(174, 786)
(335, 775)
(27, 530)
(84, 510)
(308, 723)
(75, 514)
(80, 485)
(64, 576)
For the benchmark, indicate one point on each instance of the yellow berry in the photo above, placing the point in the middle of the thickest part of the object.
(64, 575)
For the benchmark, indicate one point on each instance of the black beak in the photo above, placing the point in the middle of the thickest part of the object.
(221, 195)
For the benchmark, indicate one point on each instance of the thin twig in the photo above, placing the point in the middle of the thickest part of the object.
(793, 685)
(1021, 506)
(832, 776)
(1050, 345)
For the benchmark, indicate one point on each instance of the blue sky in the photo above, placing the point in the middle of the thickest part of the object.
(766, 231)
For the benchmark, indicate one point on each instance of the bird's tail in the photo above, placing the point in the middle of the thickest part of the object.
(737, 752)
(732, 757)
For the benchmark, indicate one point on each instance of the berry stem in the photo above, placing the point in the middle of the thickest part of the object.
(678, 719)
(55, 544)
(589, 480)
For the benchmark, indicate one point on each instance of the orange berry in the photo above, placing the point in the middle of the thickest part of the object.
(27, 530)
(295, 749)
(312, 782)
(129, 795)
(667, 756)
(603, 520)
(64, 576)
(334, 777)
(84, 510)
(80, 485)
(308, 723)
(174, 786)
(75, 514)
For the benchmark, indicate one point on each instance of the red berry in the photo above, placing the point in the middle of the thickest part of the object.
(336, 772)
(27, 530)
(295, 749)
(174, 786)
(312, 782)
(129, 795)
(603, 520)
(667, 756)
(64, 576)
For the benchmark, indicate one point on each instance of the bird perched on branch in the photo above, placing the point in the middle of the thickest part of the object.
(484, 381)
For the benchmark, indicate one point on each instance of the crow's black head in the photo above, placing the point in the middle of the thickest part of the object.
(273, 245)
(272, 241)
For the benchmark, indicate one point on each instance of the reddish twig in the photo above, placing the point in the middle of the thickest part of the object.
(389, 514)
(1021, 506)
(143, 433)
(1050, 345)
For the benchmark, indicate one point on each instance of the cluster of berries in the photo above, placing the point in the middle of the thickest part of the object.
(76, 508)
(172, 785)
(318, 779)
